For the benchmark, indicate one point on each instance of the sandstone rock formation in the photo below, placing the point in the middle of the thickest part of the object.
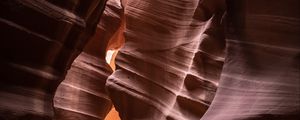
(181, 60)
(201, 81)
(162, 75)
(158, 76)
(261, 74)
(82, 94)
(39, 41)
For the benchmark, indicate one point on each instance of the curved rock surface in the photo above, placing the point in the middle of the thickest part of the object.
(172, 61)
(261, 75)
(201, 81)
(156, 67)
(82, 94)
(182, 59)
(40, 40)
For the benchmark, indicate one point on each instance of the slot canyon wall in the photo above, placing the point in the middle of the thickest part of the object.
(40, 40)
(250, 53)
(171, 61)
(177, 59)
(260, 79)
(82, 94)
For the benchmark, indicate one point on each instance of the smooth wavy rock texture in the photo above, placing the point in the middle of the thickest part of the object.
(179, 60)
(157, 75)
(172, 60)
(82, 94)
(261, 74)
(39, 41)
(201, 81)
